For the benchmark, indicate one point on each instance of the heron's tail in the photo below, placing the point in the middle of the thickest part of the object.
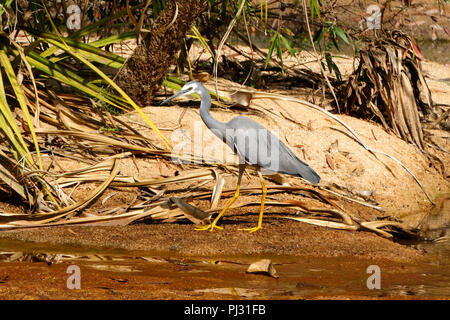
(296, 167)
(309, 174)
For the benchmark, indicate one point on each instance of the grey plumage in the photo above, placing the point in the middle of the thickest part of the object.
(250, 140)
(261, 147)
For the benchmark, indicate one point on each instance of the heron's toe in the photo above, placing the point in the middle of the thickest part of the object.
(251, 229)
(209, 227)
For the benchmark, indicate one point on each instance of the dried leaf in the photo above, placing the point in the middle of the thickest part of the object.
(330, 161)
(334, 147)
(194, 214)
(242, 98)
(263, 266)
(217, 191)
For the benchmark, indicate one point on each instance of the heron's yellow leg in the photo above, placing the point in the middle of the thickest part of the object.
(261, 211)
(213, 225)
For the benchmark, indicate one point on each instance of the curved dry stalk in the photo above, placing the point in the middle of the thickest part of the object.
(222, 42)
(130, 14)
(339, 212)
(100, 166)
(318, 60)
(97, 191)
(175, 16)
(406, 168)
(325, 223)
(251, 50)
(351, 199)
(138, 27)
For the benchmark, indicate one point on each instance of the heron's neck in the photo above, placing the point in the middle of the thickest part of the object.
(217, 127)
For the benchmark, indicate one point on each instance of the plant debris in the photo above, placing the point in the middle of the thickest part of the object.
(389, 85)
(264, 267)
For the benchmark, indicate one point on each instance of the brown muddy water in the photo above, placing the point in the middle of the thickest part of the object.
(43, 270)
(36, 271)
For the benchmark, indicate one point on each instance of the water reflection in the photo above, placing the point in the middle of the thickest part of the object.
(299, 278)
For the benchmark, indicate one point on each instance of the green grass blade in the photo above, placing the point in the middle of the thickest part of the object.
(4, 5)
(72, 79)
(287, 45)
(116, 87)
(113, 39)
(90, 28)
(202, 40)
(314, 4)
(8, 124)
(341, 34)
(95, 51)
(279, 50)
(22, 102)
(271, 47)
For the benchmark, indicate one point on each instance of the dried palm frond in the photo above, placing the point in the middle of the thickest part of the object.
(177, 206)
(389, 85)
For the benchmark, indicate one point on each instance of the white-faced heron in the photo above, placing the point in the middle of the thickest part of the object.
(254, 145)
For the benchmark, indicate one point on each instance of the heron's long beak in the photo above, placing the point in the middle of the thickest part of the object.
(179, 93)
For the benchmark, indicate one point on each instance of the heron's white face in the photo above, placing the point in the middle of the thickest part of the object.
(188, 88)
(191, 87)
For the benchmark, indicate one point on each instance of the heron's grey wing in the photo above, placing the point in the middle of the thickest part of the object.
(258, 146)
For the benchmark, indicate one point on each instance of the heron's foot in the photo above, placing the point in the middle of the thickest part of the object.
(209, 227)
(252, 229)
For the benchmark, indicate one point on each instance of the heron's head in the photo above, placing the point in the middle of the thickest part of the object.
(188, 88)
